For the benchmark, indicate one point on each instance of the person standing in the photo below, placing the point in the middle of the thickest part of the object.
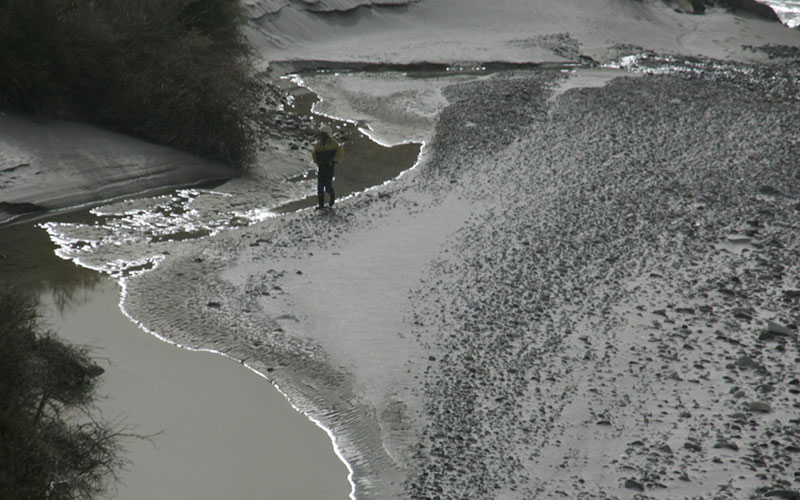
(326, 153)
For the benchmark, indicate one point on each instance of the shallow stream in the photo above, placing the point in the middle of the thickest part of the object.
(221, 431)
(233, 434)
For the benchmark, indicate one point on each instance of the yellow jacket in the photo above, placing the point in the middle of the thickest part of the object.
(327, 152)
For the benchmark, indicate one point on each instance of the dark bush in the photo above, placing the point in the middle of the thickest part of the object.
(52, 444)
(175, 72)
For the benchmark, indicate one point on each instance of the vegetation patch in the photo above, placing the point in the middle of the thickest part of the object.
(174, 72)
(53, 442)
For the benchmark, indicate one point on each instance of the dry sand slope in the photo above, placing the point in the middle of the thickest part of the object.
(459, 31)
(571, 297)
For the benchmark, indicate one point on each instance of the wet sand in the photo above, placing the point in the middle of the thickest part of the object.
(542, 305)
(225, 432)
(221, 430)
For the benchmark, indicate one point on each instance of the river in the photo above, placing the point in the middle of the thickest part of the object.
(220, 430)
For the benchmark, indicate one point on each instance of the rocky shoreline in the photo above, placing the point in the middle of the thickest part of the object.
(589, 295)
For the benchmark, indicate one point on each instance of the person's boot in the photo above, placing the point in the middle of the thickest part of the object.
(320, 201)
(333, 197)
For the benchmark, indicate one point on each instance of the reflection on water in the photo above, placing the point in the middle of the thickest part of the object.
(129, 237)
(223, 431)
(132, 236)
(29, 264)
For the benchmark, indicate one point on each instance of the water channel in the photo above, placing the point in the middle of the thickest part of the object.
(220, 430)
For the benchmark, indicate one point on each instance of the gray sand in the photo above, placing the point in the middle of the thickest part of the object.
(578, 292)
(221, 431)
(567, 295)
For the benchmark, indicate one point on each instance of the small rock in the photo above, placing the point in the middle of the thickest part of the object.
(778, 329)
(785, 494)
(744, 313)
(692, 446)
(759, 406)
(766, 388)
(771, 337)
(745, 362)
(770, 191)
(727, 445)
(634, 485)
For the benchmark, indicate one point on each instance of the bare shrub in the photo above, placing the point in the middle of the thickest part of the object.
(54, 444)
(175, 72)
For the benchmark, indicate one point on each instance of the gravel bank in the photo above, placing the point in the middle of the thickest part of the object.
(591, 296)
(603, 325)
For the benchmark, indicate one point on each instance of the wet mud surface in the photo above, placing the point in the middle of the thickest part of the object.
(594, 296)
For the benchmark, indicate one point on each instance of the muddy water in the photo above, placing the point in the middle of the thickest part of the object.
(223, 432)
(226, 432)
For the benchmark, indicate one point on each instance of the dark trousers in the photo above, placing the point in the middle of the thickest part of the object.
(325, 180)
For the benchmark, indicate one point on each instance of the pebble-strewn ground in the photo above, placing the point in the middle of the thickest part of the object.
(609, 310)
(601, 325)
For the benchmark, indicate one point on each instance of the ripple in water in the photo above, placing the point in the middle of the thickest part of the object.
(133, 236)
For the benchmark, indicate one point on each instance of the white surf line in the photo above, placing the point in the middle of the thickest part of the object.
(336, 449)
(122, 280)
(118, 268)
(298, 80)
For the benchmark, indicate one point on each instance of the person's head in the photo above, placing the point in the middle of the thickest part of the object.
(325, 132)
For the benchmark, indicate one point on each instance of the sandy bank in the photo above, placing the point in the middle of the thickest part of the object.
(47, 165)
(568, 295)
(571, 294)
(470, 31)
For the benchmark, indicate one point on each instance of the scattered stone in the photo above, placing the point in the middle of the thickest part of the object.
(759, 406)
(745, 362)
(778, 329)
(634, 485)
(728, 445)
(744, 313)
(784, 494)
(692, 446)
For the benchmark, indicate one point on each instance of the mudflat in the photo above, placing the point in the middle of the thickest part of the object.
(573, 292)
